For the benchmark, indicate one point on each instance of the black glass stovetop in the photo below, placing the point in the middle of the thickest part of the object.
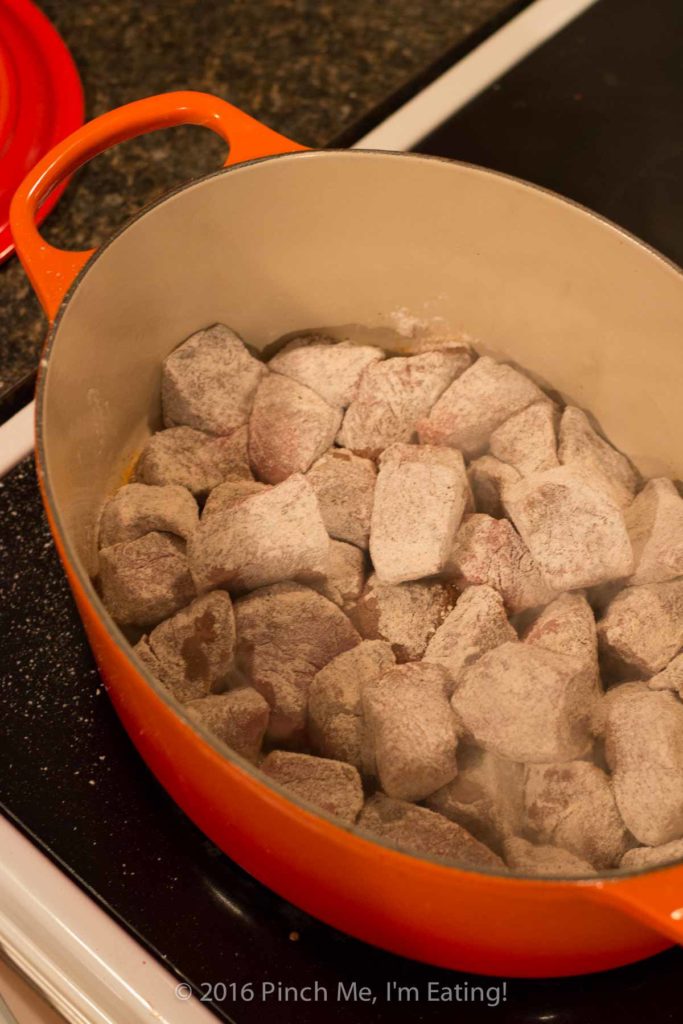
(591, 114)
(594, 114)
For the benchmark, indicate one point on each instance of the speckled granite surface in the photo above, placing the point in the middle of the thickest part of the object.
(308, 68)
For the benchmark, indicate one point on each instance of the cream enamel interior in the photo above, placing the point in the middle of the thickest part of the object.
(328, 238)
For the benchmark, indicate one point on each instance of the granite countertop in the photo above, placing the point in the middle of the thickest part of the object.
(308, 68)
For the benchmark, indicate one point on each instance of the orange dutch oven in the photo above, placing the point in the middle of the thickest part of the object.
(282, 239)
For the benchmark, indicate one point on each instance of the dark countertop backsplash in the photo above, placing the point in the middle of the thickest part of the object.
(308, 68)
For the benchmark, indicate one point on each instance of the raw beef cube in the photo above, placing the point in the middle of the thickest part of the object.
(238, 718)
(490, 552)
(344, 485)
(573, 806)
(523, 856)
(477, 624)
(477, 402)
(644, 749)
(642, 629)
(137, 509)
(421, 831)
(336, 726)
(290, 427)
(285, 634)
(332, 370)
(275, 535)
(229, 494)
(486, 797)
(209, 382)
(584, 450)
(394, 395)
(344, 574)
(528, 440)
(526, 704)
(145, 580)
(192, 653)
(567, 626)
(574, 531)
(411, 725)
(406, 615)
(193, 459)
(652, 856)
(655, 526)
(331, 786)
(420, 498)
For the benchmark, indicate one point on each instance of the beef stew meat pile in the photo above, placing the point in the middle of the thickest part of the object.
(418, 593)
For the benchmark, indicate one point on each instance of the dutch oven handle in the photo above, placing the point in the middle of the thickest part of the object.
(655, 898)
(51, 270)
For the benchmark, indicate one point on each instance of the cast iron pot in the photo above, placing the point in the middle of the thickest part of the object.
(283, 239)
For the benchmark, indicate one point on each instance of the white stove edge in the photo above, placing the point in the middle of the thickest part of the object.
(84, 963)
(16, 438)
(87, 966)
(475, 72)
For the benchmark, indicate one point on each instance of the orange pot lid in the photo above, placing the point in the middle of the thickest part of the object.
(41, 101)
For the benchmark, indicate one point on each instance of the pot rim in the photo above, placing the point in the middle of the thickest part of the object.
(115, 634)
